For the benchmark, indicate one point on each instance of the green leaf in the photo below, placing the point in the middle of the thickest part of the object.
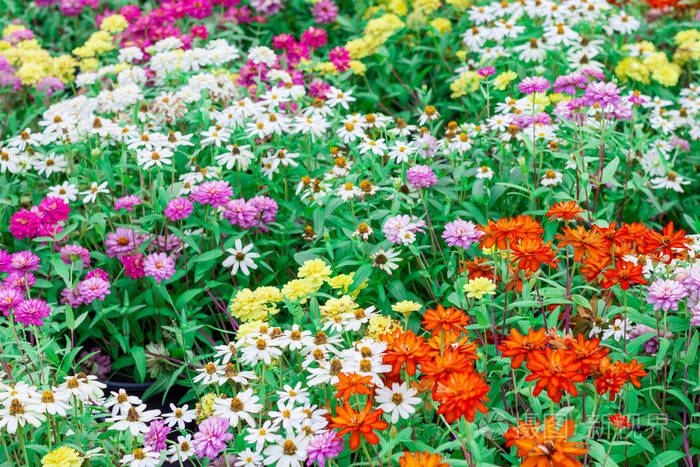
(208, 256)
(361, 275)
(689, 357)
(666, 458)
(139, 356)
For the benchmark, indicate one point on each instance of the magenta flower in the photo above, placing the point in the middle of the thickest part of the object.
(157, 435)
(421, 176)
(314, 37)
(211, 438)
(10, 298)
(24, 261)
(19, 280)
(241, 213)
(94, 288)
(50, 85)
(178, 208)
(170, 244)
(323, 447)
(267, 210)
(24, 224)
(665, 294)
(31, 312)
(5, 261)
(533, 84)
(159, 266)
(97, 272)
(127, 202)
(53, 210)
(324, 12)
(214, 192)
(486, 71)
(461, 233)
(72, 297)
(71, 253)
(133, 265)
(570, 84)
(340, 57)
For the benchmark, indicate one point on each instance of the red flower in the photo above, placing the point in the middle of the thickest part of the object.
(404, 348)
(589, 353)
(666, 241)
(522, 347)
(359, 423)
(624, 273)
(619, 421)
(566, 210)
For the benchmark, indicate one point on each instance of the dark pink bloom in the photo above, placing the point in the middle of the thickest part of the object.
(314, 37)
(178, 208)
(157, 435)
(53, 210)
(340, 57)
(533, 84)
(570, 84)
(215, 192)
(94, 288)
(24, 261)
(24, 224)
(21, 281)
(133, 265)
(199, 31)
(239, 212)
(71, 253)
(9, 299)
(486, 71)
(127, 202)
(32, 312)
(97, 272)
(159, 266)
(323, 447)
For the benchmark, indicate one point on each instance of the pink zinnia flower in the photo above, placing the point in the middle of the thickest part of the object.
(323, 447)
(402, 229)
(133, 265)
(314, 37)
(127, 202)
(461, 233)
(94, 288)
(241, 213)
(324, 12)
(71, 253)
(421, 176)
(214, 192)
(211, 438)
(19, 280)
(157, 435)
(159, 266)
(24, 261)
(340, 57)
(602, 94)
(5, 261)
(533, 84)
(24, 224)
(178, 208)
(31, 312)
(72, 297)
(123, 242)
(569, 84)
(9, 299)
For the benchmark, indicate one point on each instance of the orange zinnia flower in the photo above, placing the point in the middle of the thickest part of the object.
(530, 253)
(566, 210)
(352, 383)
(445, 319)
(520, 347)
(508, 230)
(359, 423)
(636, 233)
(555, 370)
(666, 241)
(632, 371)
(421, 459)
(619, 421)
(524, 430)
(623, 273)
(611, 235)
(611, 378)
(593, 266)
(550, 447)
(477, 268)
(583, 241)
(461, 395)
(404, 348)
(589, 353)
(442, 366)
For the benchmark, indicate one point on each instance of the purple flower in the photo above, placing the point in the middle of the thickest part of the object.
(24, 261)
(665, 293)
(601, 93)
(239, 212)
(9, 299)
(94, 288)
(159, 266)
(267, 7)
(421, 176)
(170, 243)
(72, 253)
(127, 202)
(97, 272)
(123, 242)
(157, 435)
(72, 297)
(461, 233)
(691, 278)
(569, 84)
(323, 447)
(324, 12)
(50, 85)
(31, 312)
(97, 363)
(427, 145)
(211, 438)
(178, 208)
(533, 84)
(215, 192)
(652, 345)
(267, 209)
(18, 280)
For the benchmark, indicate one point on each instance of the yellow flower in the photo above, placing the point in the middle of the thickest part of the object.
(251, 326)
(667, 74)
(89, 64)
(83, 52)
(441, 25)
(380, 324)
(30, 73)
(459, 4)
(681, 37)
(504, 79)
(249, 305)
(358, 68)
(655, 60)
(478, 287)
(341, 281)
(461, 54)
(62, 457)
(315, 271)
(337, 306)
(559, 97)
(398, 6)
(205, 406)
(426, 6)
(298, 290)
(63, 67)
(406, 307)
(416, 19)
(114, 23)
(465, 83)
(632, 68)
